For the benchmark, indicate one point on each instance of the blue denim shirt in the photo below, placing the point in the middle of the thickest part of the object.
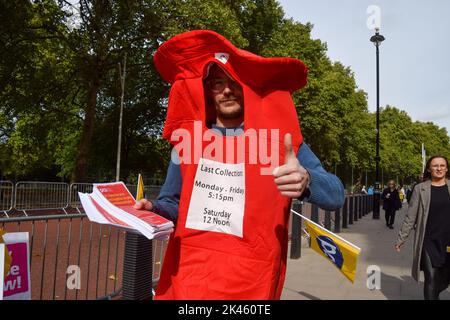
(325, 189)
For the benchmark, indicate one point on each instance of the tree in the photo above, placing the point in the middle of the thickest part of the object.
(34, 77)
(59, 88)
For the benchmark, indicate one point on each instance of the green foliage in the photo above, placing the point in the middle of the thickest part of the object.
(181, 16)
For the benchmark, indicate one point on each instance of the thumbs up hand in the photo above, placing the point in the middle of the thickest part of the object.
(291, 178)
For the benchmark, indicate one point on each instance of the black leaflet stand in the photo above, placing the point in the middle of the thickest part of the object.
(137, 267)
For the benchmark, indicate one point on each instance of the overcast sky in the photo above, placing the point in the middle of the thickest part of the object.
(414, 59)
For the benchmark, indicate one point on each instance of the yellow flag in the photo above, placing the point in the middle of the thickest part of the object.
(140, 188)
(7, 257)
(342, 254)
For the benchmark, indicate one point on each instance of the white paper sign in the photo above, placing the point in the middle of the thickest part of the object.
(218, 198)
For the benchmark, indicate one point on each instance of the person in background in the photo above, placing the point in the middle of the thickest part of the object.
(409, 193)
(370, 191)
(391, 203)
(429, 214)
(363, 190)
(401, 193)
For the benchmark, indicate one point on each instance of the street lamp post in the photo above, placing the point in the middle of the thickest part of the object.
(119, 141)
(377, 39)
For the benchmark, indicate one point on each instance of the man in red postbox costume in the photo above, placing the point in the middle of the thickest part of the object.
(236, 165)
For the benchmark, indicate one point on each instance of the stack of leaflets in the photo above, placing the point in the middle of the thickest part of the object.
(112, 204)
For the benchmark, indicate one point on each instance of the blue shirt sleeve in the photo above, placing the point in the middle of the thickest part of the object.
(325, 189)
(169, 196)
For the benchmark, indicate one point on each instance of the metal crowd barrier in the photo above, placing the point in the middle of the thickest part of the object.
(30, 196)
(355, 207)
(58, 241)
(26, 196)
(74, 200)
(151, 192)
(6, 196)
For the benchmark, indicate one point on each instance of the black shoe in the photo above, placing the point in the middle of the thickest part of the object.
(391, 227)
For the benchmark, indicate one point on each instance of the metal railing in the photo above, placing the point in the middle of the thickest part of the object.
(61, 236)
(355, 207)
(6, 196)
(59, 241)
(26, 196)
(74, 200)
(40, 195)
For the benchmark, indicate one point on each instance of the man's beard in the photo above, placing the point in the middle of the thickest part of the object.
(230, 115)
(236, 114)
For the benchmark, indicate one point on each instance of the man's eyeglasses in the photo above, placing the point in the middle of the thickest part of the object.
(219, 84)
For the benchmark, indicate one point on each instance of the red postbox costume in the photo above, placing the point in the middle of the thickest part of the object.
(227, 252)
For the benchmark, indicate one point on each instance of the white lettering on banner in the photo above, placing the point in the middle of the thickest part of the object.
(218, 198)
(17, 284)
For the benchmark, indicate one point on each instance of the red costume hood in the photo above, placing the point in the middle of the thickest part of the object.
(184, 58)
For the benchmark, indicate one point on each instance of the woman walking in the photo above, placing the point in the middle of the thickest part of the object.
(429, 214)
(391, 203)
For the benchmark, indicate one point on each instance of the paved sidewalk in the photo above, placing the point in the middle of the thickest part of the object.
(312, 277)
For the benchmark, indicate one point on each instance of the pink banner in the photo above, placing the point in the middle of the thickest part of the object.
(16, 283)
